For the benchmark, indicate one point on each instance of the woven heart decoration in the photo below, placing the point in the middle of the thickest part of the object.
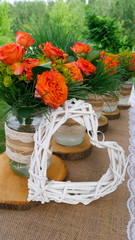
(42, 189)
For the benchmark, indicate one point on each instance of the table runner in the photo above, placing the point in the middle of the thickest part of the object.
(104, 219)
(131, 169)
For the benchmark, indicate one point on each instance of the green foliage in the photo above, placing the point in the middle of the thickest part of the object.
(23, 11)
(105, 32)
(5, 32)
(121, 10)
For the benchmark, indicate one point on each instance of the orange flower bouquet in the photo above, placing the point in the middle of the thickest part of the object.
(32, 87)
(23, 86)
(100, 73)
(126, 65)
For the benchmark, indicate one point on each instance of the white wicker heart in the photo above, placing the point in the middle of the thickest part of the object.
(43, 190)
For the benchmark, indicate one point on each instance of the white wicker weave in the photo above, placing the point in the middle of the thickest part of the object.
(41, 189)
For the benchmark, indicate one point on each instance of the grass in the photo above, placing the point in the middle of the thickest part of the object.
(3, 108)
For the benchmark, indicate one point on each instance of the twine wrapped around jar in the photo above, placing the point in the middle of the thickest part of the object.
(97, 103)
(125, 92)
(19, 131)
(110, 104)
(19, 145)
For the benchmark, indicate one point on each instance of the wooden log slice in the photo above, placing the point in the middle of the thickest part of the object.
(14, 189)
(102, 123)
(126, 106)
(112, 115)
(73, 153)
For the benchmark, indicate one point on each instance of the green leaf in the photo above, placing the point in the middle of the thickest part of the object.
(93, 55)
(39, 70)
(46, 65)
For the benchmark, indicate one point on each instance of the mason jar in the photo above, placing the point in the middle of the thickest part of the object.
(125, 92)
(110, 104)
(19, 133)
(70, 133)
(97, 103)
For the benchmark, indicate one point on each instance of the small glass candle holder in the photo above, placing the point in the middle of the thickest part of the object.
(125, 92)
(70, 133)
(110, 104)
(97, 103)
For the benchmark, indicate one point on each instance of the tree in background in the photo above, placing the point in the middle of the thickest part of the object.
(122, 10)
(105, 32)
(23, 11)
(6, 34)
(60, 23)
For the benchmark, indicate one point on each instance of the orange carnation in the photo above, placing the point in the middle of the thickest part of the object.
(110, 63)
(29, 64)
(75, 71)
(79, 48)
(11, 53)
(85, 66)
(24, 39)
(50, 51)
(52, 86)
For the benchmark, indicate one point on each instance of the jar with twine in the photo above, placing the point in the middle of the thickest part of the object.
(19, 131)
(110, 103)
(125, 92)
(97, 103)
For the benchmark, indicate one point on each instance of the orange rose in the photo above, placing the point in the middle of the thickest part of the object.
(24, 39)
(75, 71)
(50, 51)
(53, 86)
(110, 63)
(79, 48)
(11, 53)
(29, 64)
(85, 66)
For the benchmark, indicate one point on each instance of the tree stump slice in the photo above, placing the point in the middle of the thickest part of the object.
(73, 153)
(112, 115)
(102, 123)
(126, 106)
(14, 189)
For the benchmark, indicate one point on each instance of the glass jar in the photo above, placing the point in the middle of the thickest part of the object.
(97, 103)
(125, 92)
(70, 133)
(110, 104)
(19, 133)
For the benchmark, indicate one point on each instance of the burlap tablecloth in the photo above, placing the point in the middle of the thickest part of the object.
(104, 219)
